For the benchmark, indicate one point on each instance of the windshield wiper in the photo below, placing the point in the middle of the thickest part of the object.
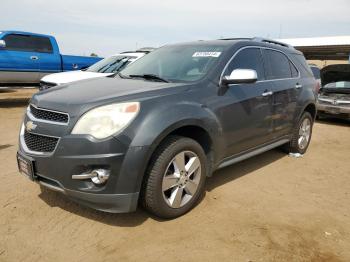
(150, 76)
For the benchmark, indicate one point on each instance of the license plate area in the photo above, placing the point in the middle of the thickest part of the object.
(25, 166)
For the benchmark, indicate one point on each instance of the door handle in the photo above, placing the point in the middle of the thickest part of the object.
(267, 93)
(298, 86)
(33, 57)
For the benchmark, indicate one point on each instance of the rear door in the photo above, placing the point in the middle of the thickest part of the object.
(246, 112)
(18, 60)
(286, 86)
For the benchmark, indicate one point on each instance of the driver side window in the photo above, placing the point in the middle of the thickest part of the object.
(249, 58)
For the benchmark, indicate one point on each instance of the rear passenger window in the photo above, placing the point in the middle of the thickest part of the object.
(28, 43)
(41, 44)
(249, 58)
(278, 65)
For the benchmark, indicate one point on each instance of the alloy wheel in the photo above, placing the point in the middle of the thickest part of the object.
(304, 133)
(181, 179)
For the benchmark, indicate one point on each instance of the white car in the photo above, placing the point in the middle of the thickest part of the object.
(105, 67)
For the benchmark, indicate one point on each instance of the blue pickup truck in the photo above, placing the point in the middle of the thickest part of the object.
(26, 57)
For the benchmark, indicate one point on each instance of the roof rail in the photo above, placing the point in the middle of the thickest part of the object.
(261, 39)
(270, 41)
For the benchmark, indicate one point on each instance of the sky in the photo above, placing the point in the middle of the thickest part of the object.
(107, 27)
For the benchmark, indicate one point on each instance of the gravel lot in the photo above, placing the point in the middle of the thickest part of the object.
(269, 208)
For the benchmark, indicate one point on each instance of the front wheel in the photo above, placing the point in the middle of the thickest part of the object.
(301, 136)
(176, 177)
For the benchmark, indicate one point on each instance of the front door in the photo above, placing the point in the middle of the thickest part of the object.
(247, 108)
(18, 62)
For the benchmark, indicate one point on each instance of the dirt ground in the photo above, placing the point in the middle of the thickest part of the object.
(269, 208)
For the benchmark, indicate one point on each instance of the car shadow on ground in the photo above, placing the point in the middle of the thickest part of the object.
(55, 199)
(230, 173)
(225, 175)
(14, 103)
(5, 90)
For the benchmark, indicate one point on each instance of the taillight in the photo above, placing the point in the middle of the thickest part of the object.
(317, 87)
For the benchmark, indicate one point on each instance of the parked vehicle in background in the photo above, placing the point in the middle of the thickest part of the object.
(154, 132)
(334, 96)
(105, 67)
(316, 71)
(26, 57)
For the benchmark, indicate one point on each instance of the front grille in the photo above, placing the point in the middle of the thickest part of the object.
(40, 143)
(48, 115)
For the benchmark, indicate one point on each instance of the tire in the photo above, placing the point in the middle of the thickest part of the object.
(294, 146)
(185, 187)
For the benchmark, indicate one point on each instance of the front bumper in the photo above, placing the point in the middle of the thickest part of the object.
(334, 110)
(112, 203)
(75, 155)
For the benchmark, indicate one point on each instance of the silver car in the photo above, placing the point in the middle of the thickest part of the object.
(334, 95)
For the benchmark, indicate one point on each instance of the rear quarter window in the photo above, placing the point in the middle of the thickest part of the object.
(302, 65)
(294, 70)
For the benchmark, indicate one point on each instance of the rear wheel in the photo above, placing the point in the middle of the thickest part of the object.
(301, 136)
(175, 178)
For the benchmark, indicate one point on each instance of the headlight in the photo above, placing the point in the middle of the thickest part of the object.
(105, 121)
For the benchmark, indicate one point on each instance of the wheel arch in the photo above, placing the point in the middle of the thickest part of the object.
(191, 129)
(311, 108)
(189, 120)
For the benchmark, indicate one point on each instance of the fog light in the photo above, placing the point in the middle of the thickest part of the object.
(97, 176)
(100, 176)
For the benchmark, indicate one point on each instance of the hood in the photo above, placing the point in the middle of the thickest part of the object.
(335, 73)
(71, 76)
(83, 95)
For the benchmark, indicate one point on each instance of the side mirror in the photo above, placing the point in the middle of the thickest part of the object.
(241, 76)
(2, 44)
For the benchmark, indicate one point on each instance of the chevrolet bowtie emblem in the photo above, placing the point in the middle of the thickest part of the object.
(30, 126)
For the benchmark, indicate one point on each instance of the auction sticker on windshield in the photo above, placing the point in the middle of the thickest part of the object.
(206, 54)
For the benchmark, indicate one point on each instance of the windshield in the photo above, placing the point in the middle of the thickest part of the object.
(341, 84)
(179, 63)
(111, 64)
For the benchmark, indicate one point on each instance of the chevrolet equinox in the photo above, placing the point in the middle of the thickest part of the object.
(151, 134)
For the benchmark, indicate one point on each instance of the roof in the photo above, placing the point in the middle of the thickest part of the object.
(23, 33)
(264, 42)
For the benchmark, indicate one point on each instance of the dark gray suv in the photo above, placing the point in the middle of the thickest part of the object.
(154, 132)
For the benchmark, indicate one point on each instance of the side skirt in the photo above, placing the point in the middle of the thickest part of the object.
(235, 159)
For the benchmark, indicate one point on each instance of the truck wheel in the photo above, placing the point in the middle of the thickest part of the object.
(175, 178)
(301, 136)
